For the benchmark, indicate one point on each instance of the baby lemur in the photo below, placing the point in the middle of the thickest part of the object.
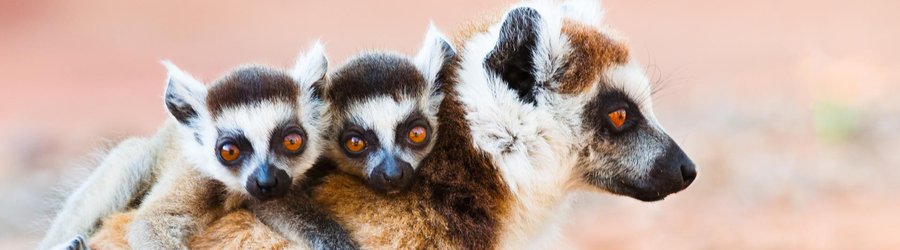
(248, 137)
(383, 108)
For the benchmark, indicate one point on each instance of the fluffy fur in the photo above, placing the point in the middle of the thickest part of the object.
(251, 106)
(524, 123)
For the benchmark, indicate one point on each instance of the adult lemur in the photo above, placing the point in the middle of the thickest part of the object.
(248, 137)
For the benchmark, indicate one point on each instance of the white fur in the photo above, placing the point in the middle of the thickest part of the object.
(431, 57)
(585, 11)
(124, 168)
(311, 67)
(185, 86)
(536, 148)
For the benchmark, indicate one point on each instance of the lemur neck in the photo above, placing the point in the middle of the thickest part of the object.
(529, 148)
(461, 183)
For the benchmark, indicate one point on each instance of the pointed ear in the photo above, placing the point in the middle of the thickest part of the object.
(310, 70)
(588, 12)
(513, 58)
(434, 57)
(185, 96)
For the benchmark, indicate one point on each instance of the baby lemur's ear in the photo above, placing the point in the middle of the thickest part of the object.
(433, 58)
(310, 70)
(185, 96)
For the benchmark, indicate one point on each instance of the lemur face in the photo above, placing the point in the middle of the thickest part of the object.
(384, 108)
(558, 64)
(256, 129)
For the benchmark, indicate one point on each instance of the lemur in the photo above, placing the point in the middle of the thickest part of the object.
(247, 138)
(538, 105)
(383, 113)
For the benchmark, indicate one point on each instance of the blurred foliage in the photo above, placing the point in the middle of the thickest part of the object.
(835, 122)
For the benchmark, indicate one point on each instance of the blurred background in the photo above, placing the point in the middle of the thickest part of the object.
(790, 108)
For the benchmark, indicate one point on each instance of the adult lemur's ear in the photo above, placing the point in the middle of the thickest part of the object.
(435, 55)
(185, 96)
(513, 58)
(310, 70)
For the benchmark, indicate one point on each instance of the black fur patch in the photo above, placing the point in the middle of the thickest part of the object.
(513, 56)
(449, 55)
(373, 75)
(251, 85)
(180, 109)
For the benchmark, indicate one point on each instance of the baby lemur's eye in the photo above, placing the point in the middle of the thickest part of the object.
(229, 152)
(355, 145)
(417, 135)
(618, 118)
(292, 142)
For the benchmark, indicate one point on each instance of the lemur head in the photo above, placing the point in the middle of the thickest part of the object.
(256, 129)
(593, 100)
(383, 107)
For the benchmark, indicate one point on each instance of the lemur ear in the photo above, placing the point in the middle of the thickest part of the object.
(310, 70)
(513, 58)
(436, 54)
(185, 96)
(588, 12)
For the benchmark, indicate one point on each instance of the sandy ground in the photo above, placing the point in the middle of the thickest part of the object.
(788, 107)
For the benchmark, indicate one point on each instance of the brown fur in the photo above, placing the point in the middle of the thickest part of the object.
(592, 52)
(112, 234)
(255, 234)
(472, 28)
(250, 85)
(221, 234)
(459, 200)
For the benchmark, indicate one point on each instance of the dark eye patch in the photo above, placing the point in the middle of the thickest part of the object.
(290, 126)
(596, 113)
(413, 120)
(237, 138)
(352, 130)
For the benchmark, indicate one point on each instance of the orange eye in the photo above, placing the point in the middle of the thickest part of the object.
(618, 118)
(229, 152)
(355, 145)
(417, 135)
(292, 142)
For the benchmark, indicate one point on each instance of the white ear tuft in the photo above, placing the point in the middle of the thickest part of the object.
(436, 51)
(311, 67)
(589, 12)
(185, 96)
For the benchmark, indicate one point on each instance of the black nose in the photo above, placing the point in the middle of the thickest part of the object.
(267, 182)
(670, 173)
(677, 168)
(688, 173)
(391, 175)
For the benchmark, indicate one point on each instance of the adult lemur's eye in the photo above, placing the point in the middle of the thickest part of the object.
(292, 142)
(229, 152)
(417, 135)
(618, 118)
(355, 144)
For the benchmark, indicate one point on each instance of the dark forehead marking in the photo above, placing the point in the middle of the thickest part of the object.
(372, 75)
(251, 85)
